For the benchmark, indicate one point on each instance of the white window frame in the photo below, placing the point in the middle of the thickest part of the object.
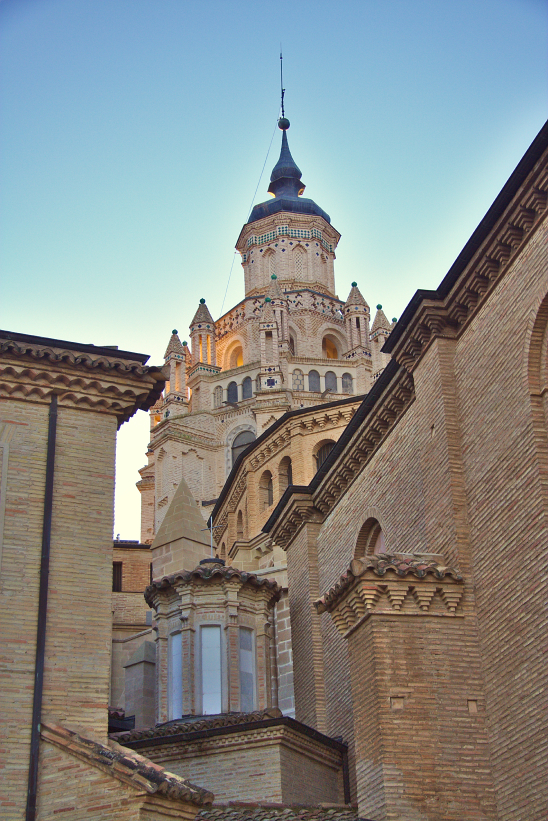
(199, 668)
(174, 675)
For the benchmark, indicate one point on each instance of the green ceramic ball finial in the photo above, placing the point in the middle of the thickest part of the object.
(379, 307)
(354, 284)
(175, 331)
(202, 301)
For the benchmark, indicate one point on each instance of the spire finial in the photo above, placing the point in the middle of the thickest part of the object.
(283, 122)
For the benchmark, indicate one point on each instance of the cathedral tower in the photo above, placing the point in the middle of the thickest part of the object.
(290, 343)
(288, 236)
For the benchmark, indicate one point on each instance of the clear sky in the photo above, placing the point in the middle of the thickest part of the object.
(133, 134)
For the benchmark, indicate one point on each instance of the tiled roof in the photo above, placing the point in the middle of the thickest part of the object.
(174, 345)
(355, 297)
(196, 724)
(55, 351)
(278, 812)
(202, 315)
(401, 564)
(126, 765)
(380, 321)
(207, 572)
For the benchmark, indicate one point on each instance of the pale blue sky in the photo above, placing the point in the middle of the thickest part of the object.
(134, 132)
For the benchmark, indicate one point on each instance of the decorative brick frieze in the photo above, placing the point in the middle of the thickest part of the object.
(393, 598)
(81, 379)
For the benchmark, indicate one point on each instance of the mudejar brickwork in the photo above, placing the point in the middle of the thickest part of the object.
(366, 638)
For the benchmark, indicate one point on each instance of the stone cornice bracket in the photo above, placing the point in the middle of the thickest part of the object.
(392, 585)
(299, 510)
(81, 380)
(445, 314)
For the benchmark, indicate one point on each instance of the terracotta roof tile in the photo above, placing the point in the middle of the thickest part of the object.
(278, 812)
(126, 765)
(401, 564)
(86, 358)
(205, 573)
(196, 724)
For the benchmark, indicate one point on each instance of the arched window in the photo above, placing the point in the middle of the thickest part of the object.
(236, 358)
(271, 263)
(241, 442)
(322, 452)
(292, 346)
(217, 397)
(285, 474)
(330, 349)
(232, 392)
(331, 381)
(314, 381)
(247, 388)
(347, 386)
(266, 490)
(240, 525)
(298, 380)
(370, 540)
(223, 551)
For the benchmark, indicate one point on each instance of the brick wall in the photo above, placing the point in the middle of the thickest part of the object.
(257, 765)
(508, 526)
(24, 429)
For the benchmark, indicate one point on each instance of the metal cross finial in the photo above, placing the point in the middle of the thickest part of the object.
(282, 79)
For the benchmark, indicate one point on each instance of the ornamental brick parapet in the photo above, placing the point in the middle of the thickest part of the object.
(393, 585)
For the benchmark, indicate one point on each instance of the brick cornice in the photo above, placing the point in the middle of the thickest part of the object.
(502, 236)
(392, 585)
(299, 510)
(33, 372)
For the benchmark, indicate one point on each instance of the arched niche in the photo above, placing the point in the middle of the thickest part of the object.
(247, 388)
(266, 490)
(331, 347)
(234, 355)
(314, 382)
(371, 539)
(240, 445)
(537, 373)
(322, 451)
(285, 474)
